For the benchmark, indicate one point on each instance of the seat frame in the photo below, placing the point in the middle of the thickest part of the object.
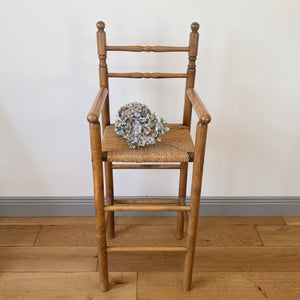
(186, 215)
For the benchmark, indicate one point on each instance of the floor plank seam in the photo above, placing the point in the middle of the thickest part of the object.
(34, 243)
(262, 243)
(284, 220)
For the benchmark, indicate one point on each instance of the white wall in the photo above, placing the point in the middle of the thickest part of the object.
(248, 76)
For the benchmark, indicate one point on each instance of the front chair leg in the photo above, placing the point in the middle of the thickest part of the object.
(195, 203)
(95, 135)
(109, 199)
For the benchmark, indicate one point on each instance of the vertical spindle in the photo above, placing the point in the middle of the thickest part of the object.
(191, 72)
(102, 54)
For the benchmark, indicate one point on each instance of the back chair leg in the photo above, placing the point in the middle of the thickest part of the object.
(109, 199)
(195, 203)
(95, 134)
(181, 199)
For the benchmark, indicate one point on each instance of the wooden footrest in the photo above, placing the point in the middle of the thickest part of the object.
(146, 208)
(146, 249)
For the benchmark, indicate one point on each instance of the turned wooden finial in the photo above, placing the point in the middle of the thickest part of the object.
(195, 27)
(101, 25)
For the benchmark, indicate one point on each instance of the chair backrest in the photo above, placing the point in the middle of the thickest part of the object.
(192, 50)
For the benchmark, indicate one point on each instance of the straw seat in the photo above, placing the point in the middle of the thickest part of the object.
(176, 145)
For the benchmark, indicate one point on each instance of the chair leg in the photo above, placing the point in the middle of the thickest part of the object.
(109, 199)
(195, 203)
(181, 199)
(95, 135)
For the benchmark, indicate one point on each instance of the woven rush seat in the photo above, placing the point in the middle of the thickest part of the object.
(176, 145)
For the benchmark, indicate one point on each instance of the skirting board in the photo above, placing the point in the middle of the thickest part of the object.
(209, 206)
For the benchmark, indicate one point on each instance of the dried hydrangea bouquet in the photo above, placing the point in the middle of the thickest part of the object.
(138, 125)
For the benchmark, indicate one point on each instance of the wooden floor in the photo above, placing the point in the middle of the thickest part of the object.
(236, 258)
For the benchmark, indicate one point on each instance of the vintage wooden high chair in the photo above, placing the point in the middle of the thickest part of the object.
(175, 151)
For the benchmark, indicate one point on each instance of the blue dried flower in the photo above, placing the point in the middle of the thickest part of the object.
(138, 125)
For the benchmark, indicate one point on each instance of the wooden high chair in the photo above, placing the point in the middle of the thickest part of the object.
(175, 151)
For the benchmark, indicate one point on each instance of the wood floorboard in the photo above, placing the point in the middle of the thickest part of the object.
(292, 220)
(220, 285)
(44, 259)
(56, 258)
(280, 236)
(212, 235)
(84, 235)
(146, 220)
(143, 235)
(18, 235)
(248, 259)
(212, 259)
(36, 286)
(46, 220)
(75, 235)
(202, 220)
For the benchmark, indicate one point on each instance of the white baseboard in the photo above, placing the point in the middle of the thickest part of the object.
(209, 206)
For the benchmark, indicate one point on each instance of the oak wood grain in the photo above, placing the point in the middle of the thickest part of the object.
(146, 220)
(241, 220)
(46, 220)
(292, 220)
(36, 286)
(126, 235)
(212, 259)
(244, 271)
(280, 236)
(161, 220)
(227, 235)
(48, 259)
(220, 285)
(143, 235)
(74, 235)
(18, 235)
(147, 235)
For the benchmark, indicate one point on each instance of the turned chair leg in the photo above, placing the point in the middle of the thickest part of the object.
(181, 199)
(99, 203)
(195, 203)
(109, 199)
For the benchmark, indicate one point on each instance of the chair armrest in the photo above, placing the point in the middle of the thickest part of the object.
(201, 111)
(95, 111)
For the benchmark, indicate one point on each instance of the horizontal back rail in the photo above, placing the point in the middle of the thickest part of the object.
(148, 75)
(147, 48)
